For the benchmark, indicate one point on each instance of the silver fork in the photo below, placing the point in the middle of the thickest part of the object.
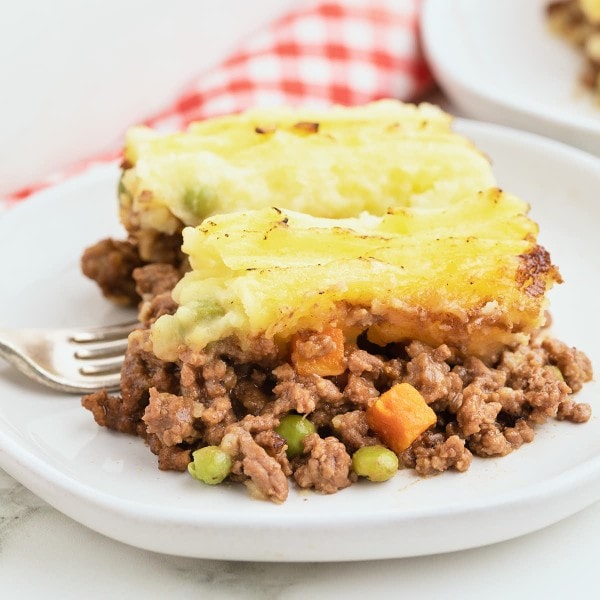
(70, 360)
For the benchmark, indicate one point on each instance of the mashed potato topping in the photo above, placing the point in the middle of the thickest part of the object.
(468, 273)
(329, 163)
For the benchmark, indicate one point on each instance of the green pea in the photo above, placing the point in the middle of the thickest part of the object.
(293, 429)
(206, 309)
(201, 201)
(123, 191)
(376, 463)
(210, 465)
(557, 372)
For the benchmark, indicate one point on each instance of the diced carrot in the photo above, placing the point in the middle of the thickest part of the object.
(319, 353)
(399, 416)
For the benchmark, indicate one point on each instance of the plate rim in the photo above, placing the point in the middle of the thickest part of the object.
(444, 68)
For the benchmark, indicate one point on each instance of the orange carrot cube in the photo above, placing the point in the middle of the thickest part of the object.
(319, 353)
(399, 416)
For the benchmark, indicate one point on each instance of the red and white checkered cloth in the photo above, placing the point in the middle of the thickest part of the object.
(326, 52)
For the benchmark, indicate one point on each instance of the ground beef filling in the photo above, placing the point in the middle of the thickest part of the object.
(118, 266)
(236, 400)
(110, 264)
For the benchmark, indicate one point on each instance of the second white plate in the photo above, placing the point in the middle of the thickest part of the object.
(498, 62)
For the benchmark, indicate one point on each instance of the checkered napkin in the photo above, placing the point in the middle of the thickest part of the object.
(326, 52)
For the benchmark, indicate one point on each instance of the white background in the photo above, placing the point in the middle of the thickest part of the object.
(75, 73)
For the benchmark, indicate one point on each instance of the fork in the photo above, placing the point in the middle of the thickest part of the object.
(70, 360)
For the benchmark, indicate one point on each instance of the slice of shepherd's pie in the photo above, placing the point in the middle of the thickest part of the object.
(578, 21)
(325, 349)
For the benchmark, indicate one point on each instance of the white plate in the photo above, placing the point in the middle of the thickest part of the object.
(498, 62)
(110, 482)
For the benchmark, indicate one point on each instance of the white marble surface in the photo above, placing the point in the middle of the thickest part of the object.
(44, 554)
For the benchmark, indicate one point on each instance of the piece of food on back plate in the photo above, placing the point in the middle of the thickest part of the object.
(578, 21)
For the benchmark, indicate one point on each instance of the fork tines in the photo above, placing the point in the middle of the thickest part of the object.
(101, 350)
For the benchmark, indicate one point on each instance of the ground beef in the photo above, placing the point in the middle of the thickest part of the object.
(521, 433)
(170, 458)
(107, 412)
(475, 411)
(152, 309)
(250, 395)
(521, 365)
(361, 362)
(545, 391)
(577, 412)
(219, 378)
(262, 474)
(154, 283)
(360, 391)
(260, 423)
(511, 401)
(235, 398)
(528, 369)
(275, 447)
(110, 264)
(311, 344)
(154, 279)
(149, 263)
(218, 410)
(487, 378)
(292, 392)
(489, 441)
(353, 430)
(171, 418)
(330, 401)
(430, 374)
(141, 371)
(448, 454)
(327, 468)
(573, 364)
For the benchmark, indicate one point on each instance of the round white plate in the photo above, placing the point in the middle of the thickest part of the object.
(110, 482)
(498, 61)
